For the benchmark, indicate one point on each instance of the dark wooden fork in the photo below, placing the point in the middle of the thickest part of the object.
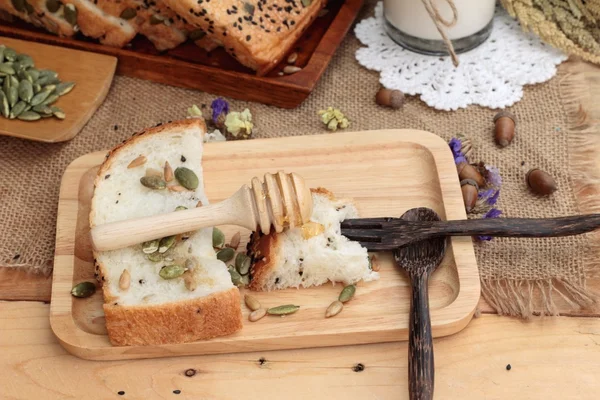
(387, 234)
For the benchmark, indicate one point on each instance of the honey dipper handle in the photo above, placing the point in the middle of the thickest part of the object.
(236, 210)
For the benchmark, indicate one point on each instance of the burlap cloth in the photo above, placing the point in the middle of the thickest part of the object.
(511, 270)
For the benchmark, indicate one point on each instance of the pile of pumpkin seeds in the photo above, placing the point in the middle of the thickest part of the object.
(240, 272)
(28, 93)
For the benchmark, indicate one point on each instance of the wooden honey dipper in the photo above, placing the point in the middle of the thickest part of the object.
(283, 200)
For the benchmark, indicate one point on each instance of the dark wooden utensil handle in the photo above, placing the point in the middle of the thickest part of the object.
(420, 347)
(518, 227)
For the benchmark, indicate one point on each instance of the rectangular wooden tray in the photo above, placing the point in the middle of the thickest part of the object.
(216, 71)
(385, 172)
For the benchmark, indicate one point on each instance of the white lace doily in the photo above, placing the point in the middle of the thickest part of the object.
(491, 75)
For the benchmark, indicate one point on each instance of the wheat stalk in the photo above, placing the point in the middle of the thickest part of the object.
(570, 25)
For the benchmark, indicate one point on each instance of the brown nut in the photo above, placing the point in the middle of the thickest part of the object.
(469, 191)
(467, 171)
(390, 98)
(504, 130)
(540, 182)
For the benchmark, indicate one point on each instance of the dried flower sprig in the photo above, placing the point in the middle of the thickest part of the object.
(334, 119)
(239, 124)
(220, 109)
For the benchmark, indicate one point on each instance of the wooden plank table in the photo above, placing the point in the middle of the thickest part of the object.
(554, 358)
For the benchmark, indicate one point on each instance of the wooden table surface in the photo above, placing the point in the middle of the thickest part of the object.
(550, 358)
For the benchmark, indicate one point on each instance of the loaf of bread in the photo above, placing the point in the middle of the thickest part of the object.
(313, 254)
(176, 290)
(258, 33)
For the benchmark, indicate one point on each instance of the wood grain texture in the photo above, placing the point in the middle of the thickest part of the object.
(214, 72)
(16, 284)
(385, 172)
(551, 358)
(92, 74)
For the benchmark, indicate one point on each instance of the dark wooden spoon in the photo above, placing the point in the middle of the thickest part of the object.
(419, 260)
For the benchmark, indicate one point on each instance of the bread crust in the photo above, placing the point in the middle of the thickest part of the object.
(204, 318)
(263, 250)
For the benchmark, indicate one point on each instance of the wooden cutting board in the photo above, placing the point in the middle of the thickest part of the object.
(92, 74)
(385, 172)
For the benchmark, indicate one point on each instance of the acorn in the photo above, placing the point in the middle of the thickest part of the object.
(470, 189)
(390, 98)
(540, 182)
(504, 130)
(467, 171)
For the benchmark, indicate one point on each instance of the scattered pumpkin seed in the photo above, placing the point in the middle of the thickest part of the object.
(291, 69)
(155, 257)
(218, 238)
(36, 88)
(292, 58)
(12, 95)
(323, 12)
(306, 3)
(125, 280)
(251, 302)
(128, 13)
(334, 309)
(187, 178)
(83, 289)
(10, 54)
(140, 160)
(58, 113)
(153, 182)
(347, 293)
(226, 254)
(25, 91)
(70, 14)
(53, 5)
(64, 87)
(242, 263)
(190, 281)
(4, 107)
(180, 208)
(50, 100)
(283, 310)
(7, 69)
(245, 280)
(166, 243)
(29, 116)
(235, 241)
(34, 73)
(257, 314)
(17, 109)
(42, 109)
(150, 246)
(171, 271)
(236, 278)
(39, 98)
(168, 172)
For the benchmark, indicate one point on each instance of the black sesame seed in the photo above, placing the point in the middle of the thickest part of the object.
(248, 38)
(106, 176)
(508, 367)
(120, 393)
(183, 159)
(176, 391)
(141, 281)
(16, 257)
(276, 281)
(116, 127)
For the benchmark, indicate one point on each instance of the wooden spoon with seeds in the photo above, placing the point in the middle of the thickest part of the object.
(282, 200)
(419, 260)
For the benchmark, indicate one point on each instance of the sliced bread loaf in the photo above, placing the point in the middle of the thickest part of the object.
(49, 15)
(258, 33)
(313, 254)
(149, 299)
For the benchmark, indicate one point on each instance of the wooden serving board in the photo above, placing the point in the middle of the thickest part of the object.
(92, 74)
(385, 172)
(192, 67)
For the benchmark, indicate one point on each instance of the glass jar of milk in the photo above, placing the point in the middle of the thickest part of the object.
(409, 24)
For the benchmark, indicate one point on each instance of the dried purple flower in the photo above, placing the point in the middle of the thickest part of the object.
(494, 198)
(489, 196)
(456, 146)
(493, 177)
(219, 107)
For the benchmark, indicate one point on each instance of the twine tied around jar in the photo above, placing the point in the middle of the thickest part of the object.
(438, 20)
